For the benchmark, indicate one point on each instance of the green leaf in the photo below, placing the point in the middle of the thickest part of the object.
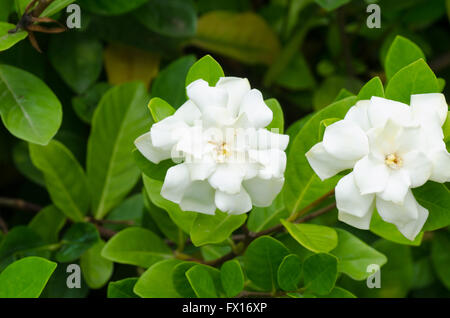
(320, 273)
(156, 282)
(401, 53)
(201, 282)
(354, 256)
(160, 109)
(390, 232)
(77, 239)
(64, 178)
(35, 118)
(6, 7)
(77, 58)
(374, 87)
(22, 161)
(331, 5)
(173, 18)
(261, 219)
(416, 78)
(182, 284)
(168, 86)
(289, 272)
(261, 261)
(9, 39)
(119, 119)
(85, 104)
(57, 286)
(316, 238)
(136, 246)
(440, 256)
(232, 278)
(25, 278)
(130, 210)
(302, 185)
(183, 219)
(436, 198)
(122, 288)
(214, 251)
(245, 37)
(96, 270)
(446, 129)
(211, 229)
(278, 117)
(107, 7)
(47, 223)
(151, 170)
(338, 292)
(55, 7)
(296, 75)
(207, 69)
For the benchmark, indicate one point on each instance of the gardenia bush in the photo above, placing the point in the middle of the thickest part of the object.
(173, 148)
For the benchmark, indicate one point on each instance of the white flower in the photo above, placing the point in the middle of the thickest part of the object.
(228, 160)
(391, 147)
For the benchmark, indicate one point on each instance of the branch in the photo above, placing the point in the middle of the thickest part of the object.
(19, 204)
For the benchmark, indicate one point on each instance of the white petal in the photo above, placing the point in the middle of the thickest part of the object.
(398, 214)
(258, 113)
(263, 191)
(201, 170)
(384, 140)
(371, 175)
(418, 167)
(227, 177)
(396, 187)
(411, 229)
(199, 197)
(144, 145)
(217, 117)
(188, 113)
(233, 203)
(362, 222)
(441, 165)
(349, 199)
(237, 88)
(324, 164)
(175, 183)
(167, 132)
(358, 114)
(381, 109)
(272, 161)
(205, 96)
(345, 140)
(266, 140)
(424, 106)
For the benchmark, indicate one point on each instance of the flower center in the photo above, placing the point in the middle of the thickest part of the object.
(393, 161)
(221, 150)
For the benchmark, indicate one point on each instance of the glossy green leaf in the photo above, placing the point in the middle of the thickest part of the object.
(160, 109)
(107, 7)
(440, 256)
(355, 256)
(261, 261)
(402, 52)
(320, 273)
(55, 7)
(302, 185)
(331, 5)
(416, 78)
(96, 270)
(149, 169)
(374, 87)
(122, 288)
(182, 284)
(168, 86)
(261, 219)
(76, 240)
(47, 223)
(22, 161)
(316, 238)
(156, 282)
(136, 246)
(338, 292)
(296, 75)
(35, 118)
(120, 118)
(436, 198)
(25, 278)
(201, 282)
(232, 278)
(207, 69)
(289, 272)
(84, 105)
(64, 178)
(214, 251)
(278, 116)
(9, 39)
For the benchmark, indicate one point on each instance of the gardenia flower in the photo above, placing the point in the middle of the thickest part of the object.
(391, 147)
(226, 158)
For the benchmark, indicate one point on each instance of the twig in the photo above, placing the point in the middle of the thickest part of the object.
(19, 204)
(3, 226)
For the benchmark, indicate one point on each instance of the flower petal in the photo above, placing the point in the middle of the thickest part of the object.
(418, 167)
(411, 229)
(398, 214)
(358, 114)
(272, 161)
(345, 140)
(324, 164)
(233, 203)
(382, 109)
(362, 222)
(175, 183)
(258, 113)
(263, 191)
(396, 187)
(425, 106)
(205, 96)
(227, 177)
(349, 199)
(441, 165)
(199, 197)
(188, 113)
(371, 175)
(236, 88)
(167, 132)
(265, 139)
(144, 145)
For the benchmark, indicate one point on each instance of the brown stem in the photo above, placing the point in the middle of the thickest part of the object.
(3, 226)
(19, 204)
(43, 4)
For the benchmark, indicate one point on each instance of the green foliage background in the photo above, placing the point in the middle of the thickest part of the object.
(73, 190)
